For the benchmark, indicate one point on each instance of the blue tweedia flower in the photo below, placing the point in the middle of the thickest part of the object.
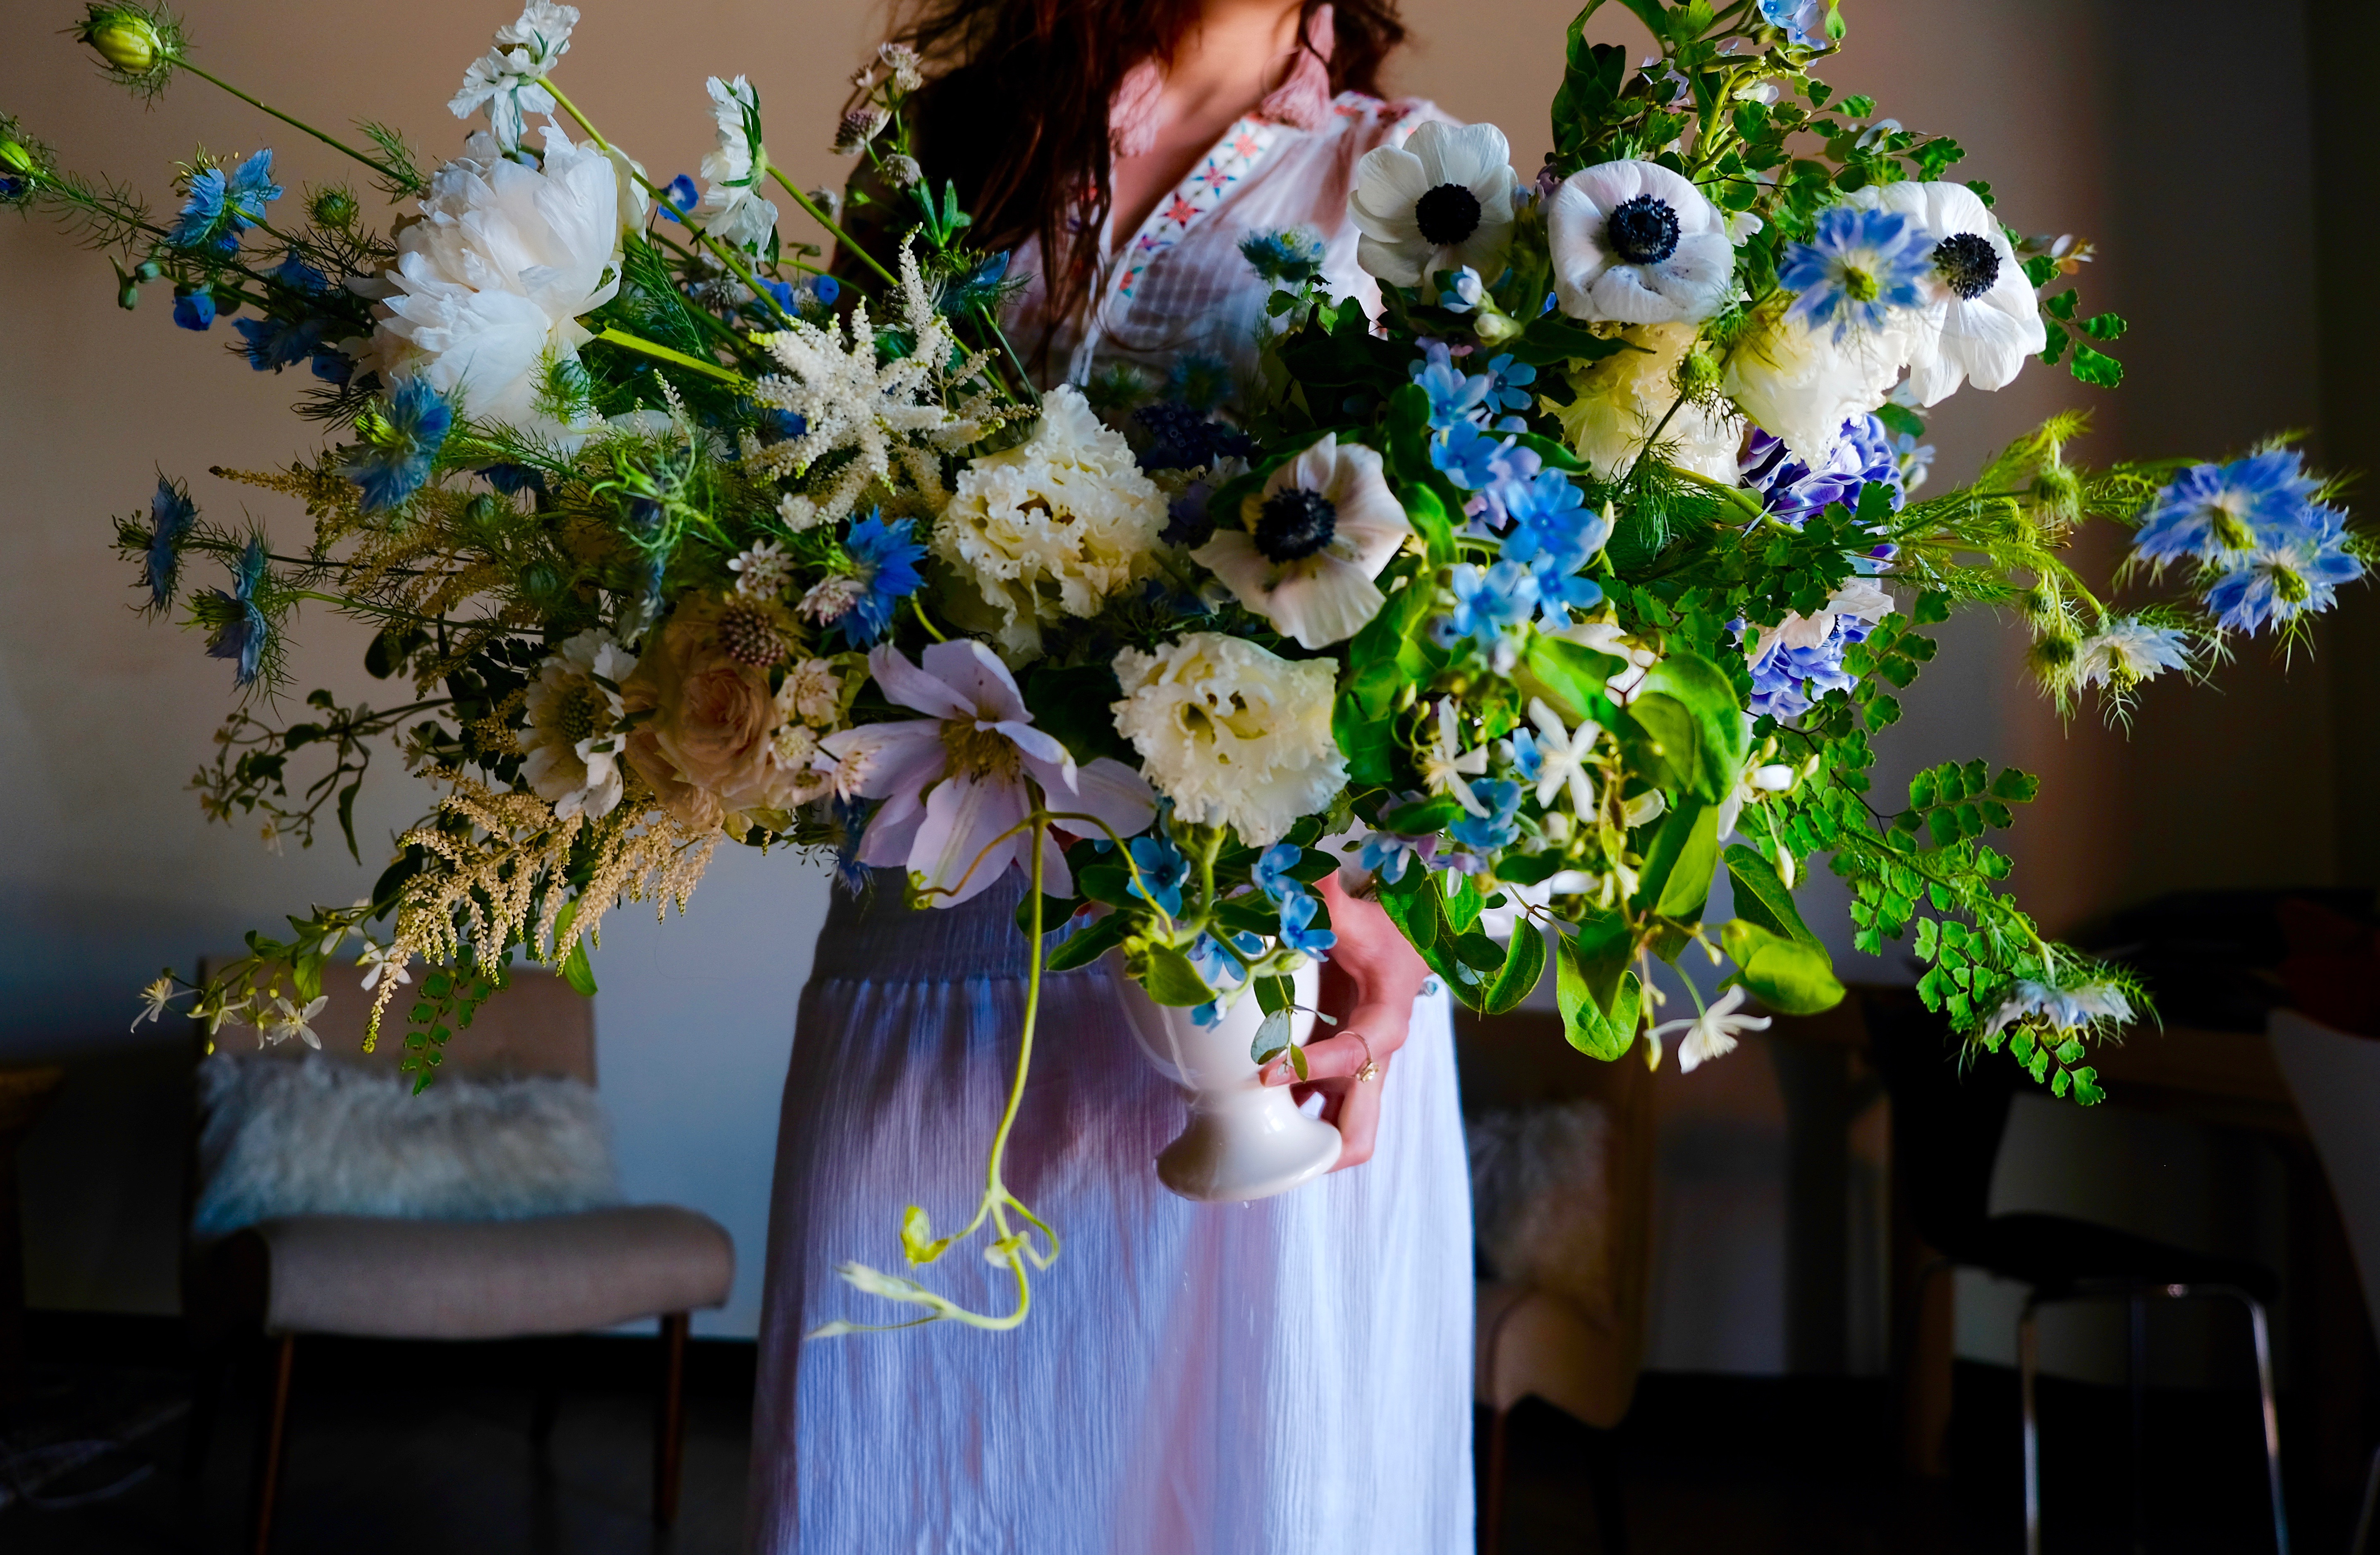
(2213, 512)
(1859, 266)
(1163, 870)
(1508, 384)
(1561, 589)
(1182, 438)
(1864, 452)
(1499, 827)
(1522, 751)
(1455, 397)
(1272, 875)
(1787, 681)
(1804, 22)
(1386, 854)
(1219, 969)
(1487, 603)
(1549, 515)
(1471, 459)
(2279, 583)
(678, 198)
(1296, 913)
(404, 439)
(171, 514)
(242, 637)
(194, 311)
(219, 209)
(1292, 256)
(885, 561)
(1460, 290)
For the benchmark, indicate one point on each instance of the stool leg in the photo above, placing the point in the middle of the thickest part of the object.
(2262, 1331)
(271, 1450)
(2028, 1343)
(669, 1428)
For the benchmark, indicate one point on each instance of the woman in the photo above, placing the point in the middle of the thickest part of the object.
(1288, 1376)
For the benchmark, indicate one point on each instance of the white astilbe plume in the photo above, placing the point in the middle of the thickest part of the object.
(895, 418)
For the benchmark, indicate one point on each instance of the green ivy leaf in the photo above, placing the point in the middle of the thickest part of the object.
(1792, 977)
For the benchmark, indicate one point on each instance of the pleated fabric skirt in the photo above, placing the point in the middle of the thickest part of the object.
(1290, 1376)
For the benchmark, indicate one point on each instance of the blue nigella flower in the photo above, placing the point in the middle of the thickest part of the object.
(1272, 875)
(1499, 826)
(1857, 268)
(512, 479)
(2211, 512)
(1864, 452)
(195, 310)
(850, 818)
(274, 343)
(219, 209)
(885, 561)
(412, 426)
(2279, 583)
(171, 514)
(1187, 522)
(678, 198)
(1486, 603)
(1292, 256)
(1455, 397)
(1163, 870)
(242, 639)
(1296, 915)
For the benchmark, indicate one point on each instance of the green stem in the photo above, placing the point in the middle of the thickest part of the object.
(676, 359)
(383, 168)
(809, 208)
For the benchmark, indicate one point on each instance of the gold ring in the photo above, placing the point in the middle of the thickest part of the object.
(1371, 1070)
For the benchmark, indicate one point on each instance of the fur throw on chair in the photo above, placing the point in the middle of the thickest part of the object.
(1540, 1191)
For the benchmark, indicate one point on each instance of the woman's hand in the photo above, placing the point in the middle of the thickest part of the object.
(1368, 986)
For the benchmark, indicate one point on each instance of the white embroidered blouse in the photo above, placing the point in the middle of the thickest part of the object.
(1181, 283)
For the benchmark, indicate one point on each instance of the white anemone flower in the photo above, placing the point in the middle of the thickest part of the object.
(1441, 202)
(573, 731)
(958, 784)
(1233, 734)
(2127, 651)
(490, 284)
(1711, 1033)
(1318, 533)
(732, 211)
(507, 80)
(1980, 320)
(1801, 385)
(1637, 244)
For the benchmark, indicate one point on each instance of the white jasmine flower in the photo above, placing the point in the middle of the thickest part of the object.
(1803, 383)
(1054, 525)
(573, 735)
(1443, 201)
(1635, 243)
(762, 570)
(379, 962)
(732, 211)
(2067, 1009)
(155, 999)
(1318, 533)
(488, 286)
(506, 79)
(1563, 757)
(1617, 404)
(1446, 767)
(1711, 1033)
(1233, 734)
(1979, 321)
(812, 692)
(1612, 639)
(284, 1020)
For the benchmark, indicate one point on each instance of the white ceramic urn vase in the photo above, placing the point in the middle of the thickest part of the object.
(1244, 1139)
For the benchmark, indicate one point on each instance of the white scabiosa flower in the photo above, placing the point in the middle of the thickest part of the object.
(488, 286)
(1617, 403)
(1441, 202)
(573, 735)
(1233, 734)
(732, 211)
(1635, 243)
(1979, 321)
(1803, 383)
(507, 80)
(1053, 527)
(1318, 533)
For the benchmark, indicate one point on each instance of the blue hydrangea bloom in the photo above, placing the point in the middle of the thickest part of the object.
(1487, 603)
(1162, 872)
(1296, 917)
(2279, 583)
(1858, 266)
(678, 198)
(219, 209)
(242, 639)
(1455, 397)
(194, 311)
(1292, 256)
(414, 425)
(1272, 875)
(885, 561)
(1499, 826)
(1863, 454)
(1786, 682)
(2211, 512)
(171, 514)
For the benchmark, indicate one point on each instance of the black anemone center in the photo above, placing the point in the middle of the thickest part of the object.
(1447, 215)
(1642, 230)
(1968, 264)
(1295, 524)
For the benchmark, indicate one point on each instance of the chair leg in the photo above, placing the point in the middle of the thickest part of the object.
(2371, 1502)
(2028, 1357)
(2261, 1330)
(2136, 1378)
(1611, 1515)
(669, 1428)
(1491, 1514)
(270, 1450)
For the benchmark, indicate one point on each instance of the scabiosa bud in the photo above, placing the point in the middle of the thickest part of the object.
(138, 47)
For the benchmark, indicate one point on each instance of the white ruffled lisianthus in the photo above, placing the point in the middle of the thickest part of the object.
(573, 735)
(732, 211)
(1441, 202)
(1318, 533)
(1803, 383)
(1054, 525)
(1637, 244)
(1980, 320)
(507, 80)
(1233, 734)
(488, 286)
(1617, 402)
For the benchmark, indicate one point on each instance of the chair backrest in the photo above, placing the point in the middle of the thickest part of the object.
(535, 1025)
(2336, 1077)
(1948, 1117)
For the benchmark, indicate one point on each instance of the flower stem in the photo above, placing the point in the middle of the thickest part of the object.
(809, 208)
(676, 359)
(383, 168)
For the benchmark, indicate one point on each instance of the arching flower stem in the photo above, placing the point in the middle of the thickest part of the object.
(383, 169)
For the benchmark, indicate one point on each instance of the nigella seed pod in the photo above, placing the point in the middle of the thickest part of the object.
(18, 158)
(2052, 657)
(128, 41)
(334, 208)
(2059, 489)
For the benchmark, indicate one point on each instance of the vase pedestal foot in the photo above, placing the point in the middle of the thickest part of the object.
(1244, 1152)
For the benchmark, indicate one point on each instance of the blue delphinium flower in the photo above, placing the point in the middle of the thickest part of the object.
(1272, 874)
(1804, 22)
(1863, 453)
(1486, 603)
(826, 288)
(885, 564)
(171, 514)
(242, 637)
(219, 209)
(1291, 256)
(405, 438)
(194, 309)
(678, 198)
(1455, 397)
(1296, 917)
(2211, 512)
(2279, 583)
(1497, 828)
(1162, 872)
(1858, 267)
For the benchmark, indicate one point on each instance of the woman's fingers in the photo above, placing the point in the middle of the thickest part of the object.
(1359, 1120)
(1332, 1058)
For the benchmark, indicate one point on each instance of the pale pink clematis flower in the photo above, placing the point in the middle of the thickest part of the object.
(955, 780)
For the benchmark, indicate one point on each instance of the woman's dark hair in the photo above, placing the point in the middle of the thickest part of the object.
(1017, 111)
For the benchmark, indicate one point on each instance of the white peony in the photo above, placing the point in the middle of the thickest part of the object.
(732, 211)
(1233, 734)
(1618, 401)
(1801, 385)
(489, 284)
(507, 80)
(1636, 243)
(1443, 201)
(1054, 525)
(1980, 321)
(573, 735)
(1318, 533)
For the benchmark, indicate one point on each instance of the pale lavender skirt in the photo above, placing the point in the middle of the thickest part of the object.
(1286, 1378)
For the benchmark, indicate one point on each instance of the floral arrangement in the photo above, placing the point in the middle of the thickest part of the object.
(1584, 570)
